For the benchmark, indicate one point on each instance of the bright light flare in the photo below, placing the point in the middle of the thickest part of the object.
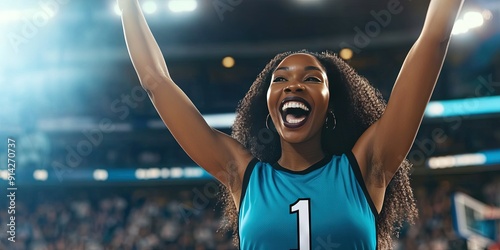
(4, 174)
(462, 160)
(346, 53)
(434, 109)
(153, 173)
(228, 62)
(100, 174)
(10, 16)
(487, 14)
(116, 9)
(40, 175)
(149, 7)
(460, 27)
(176, 172)
(182, 5)
(473, 19)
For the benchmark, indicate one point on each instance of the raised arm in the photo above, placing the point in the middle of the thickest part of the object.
(218, 153)
(387, 142)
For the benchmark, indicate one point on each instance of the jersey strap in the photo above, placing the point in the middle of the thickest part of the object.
(246, 178)
(357, 172)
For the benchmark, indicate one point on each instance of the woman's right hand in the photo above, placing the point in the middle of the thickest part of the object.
(123, 3)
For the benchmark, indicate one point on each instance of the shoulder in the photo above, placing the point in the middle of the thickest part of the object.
(239, 186)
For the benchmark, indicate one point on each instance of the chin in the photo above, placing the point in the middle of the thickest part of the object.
(293, 139)
(296, 136)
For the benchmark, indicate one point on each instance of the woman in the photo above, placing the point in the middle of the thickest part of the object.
(333, 174)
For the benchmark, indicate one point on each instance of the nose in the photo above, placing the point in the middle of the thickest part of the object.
(297, 87)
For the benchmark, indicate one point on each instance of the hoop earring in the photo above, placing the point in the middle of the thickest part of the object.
(267, 121)
(330, 123)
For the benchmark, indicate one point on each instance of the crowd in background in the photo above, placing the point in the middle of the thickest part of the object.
(434, 229)
(189, 217)
(157, 147)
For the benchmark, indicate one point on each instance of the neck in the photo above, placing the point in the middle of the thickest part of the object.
(300, 156)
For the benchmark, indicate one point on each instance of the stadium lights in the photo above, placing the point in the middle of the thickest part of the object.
(100, 174)
(456, 161)
(140, 174)
(228, 62)
(460, 27)
(483, 158)
(152, 173)
(165, 173)
(149, 7)
(193, 172)
(473, 19)
(487, 14)
(224, 120)
(10, 16)
(176, 172)
(463, 107)
(434, 109)
(40, 175)
(346, 53)
(169, 173)
(470, 20)
(116, 9)
(38, 14)
(4, 174)
(182, 5)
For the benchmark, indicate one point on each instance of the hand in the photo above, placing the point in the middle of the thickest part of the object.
(123, 3)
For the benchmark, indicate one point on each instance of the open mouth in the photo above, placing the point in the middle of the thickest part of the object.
(294, 111)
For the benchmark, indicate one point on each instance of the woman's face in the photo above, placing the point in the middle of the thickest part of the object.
(297, 97)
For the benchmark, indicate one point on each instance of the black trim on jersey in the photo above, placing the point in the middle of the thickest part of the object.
(246, 179)
(313, 167)
(357, 171)
(244, 185)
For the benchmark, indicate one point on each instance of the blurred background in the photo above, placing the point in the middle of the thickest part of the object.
(97, 169)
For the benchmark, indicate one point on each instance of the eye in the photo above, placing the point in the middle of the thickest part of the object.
(279, 79)
(312, 79)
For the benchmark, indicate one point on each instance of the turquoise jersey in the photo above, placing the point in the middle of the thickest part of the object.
(326, 206)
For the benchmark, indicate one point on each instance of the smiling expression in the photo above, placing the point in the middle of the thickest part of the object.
(298, 97)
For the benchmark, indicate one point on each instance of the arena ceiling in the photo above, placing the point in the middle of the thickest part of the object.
(68, 48)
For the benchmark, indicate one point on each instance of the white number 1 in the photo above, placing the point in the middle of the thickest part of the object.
(302, 208)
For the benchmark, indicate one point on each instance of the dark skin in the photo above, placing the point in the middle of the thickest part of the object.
(379, 151)
(300, 75)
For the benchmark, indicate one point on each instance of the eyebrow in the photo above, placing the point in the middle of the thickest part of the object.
(312, 68)
(307, 68)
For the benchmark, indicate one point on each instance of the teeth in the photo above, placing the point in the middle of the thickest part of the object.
(290, 119)
(294, 104)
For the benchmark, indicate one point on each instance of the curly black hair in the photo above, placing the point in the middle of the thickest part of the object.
(356, 105)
